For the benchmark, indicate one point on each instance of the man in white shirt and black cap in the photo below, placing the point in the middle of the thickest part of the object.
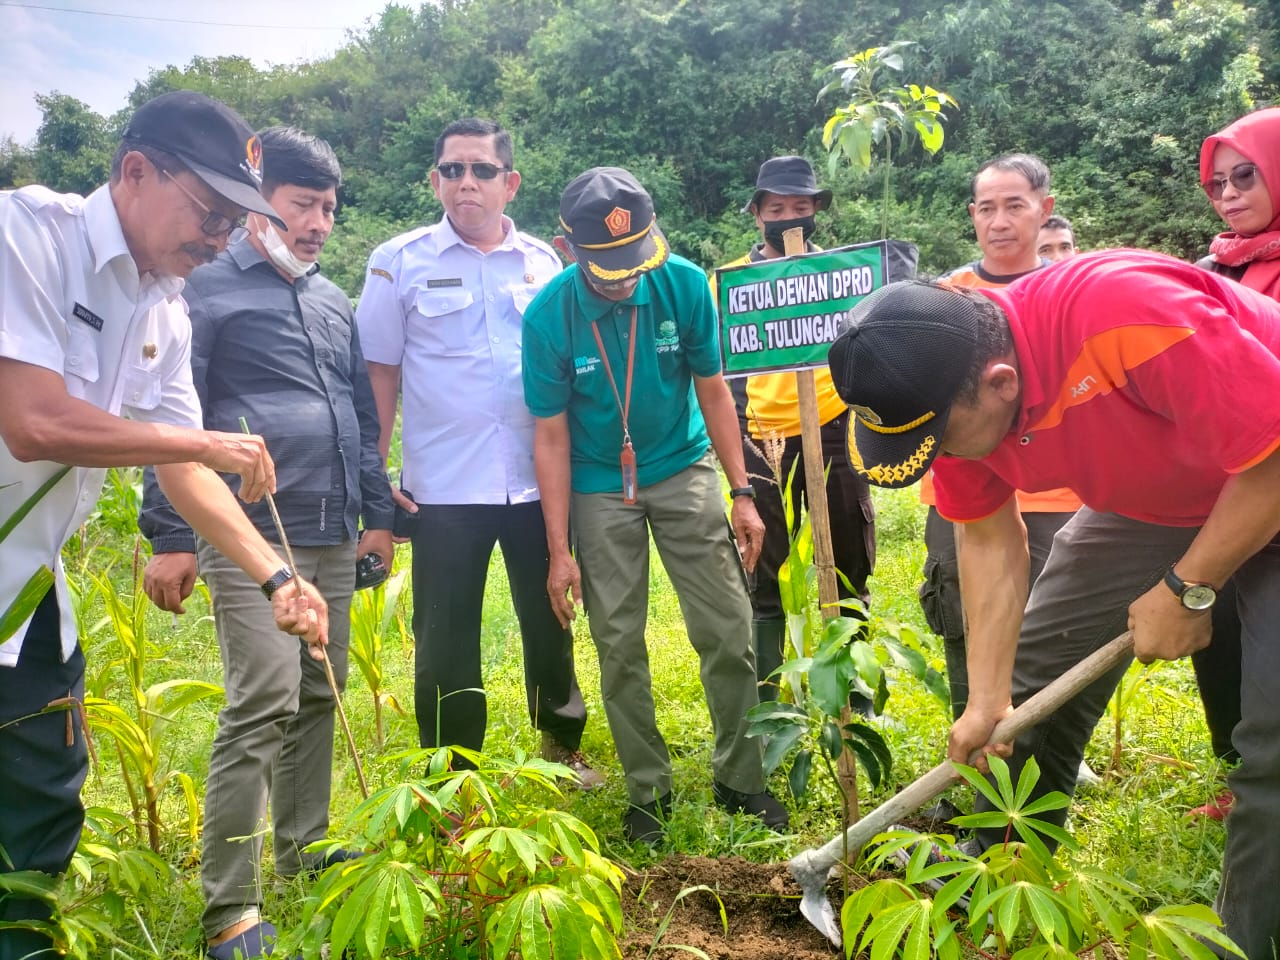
(92, 328)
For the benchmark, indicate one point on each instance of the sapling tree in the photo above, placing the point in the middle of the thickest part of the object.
(878, 111)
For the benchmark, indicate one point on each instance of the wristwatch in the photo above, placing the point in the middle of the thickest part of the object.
(747, 491)
(276, 581)
(1193, 596)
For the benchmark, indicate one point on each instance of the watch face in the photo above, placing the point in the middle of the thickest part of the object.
(1199, 596)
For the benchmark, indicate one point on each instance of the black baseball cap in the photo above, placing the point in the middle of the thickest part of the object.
(788, 177)
(608, 220)
(899, 367)
(211, 140)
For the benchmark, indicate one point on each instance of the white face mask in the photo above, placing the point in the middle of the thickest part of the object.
(285, 260)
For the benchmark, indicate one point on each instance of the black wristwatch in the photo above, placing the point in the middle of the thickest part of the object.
(276, 581)
(747, 491)
(1193, 596)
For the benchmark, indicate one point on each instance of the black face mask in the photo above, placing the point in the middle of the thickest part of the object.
(774, 229)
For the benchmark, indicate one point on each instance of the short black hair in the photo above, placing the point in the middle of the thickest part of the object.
(160, 159)
(994, 338)
(290, 156)
(1056, 222)
(477, 127)
(1035, 170)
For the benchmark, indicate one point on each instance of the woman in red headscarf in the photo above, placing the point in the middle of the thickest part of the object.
(1236, 166)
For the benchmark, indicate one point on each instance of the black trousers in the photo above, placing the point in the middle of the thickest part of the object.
(853, 531)
(452, 545)
(43, 762)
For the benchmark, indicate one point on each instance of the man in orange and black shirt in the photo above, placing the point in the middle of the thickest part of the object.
(1011, 202)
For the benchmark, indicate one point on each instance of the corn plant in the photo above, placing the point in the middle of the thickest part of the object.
(1023, 902)
(1126, 695)
(375, 616)
(137, 732)
(468, 863)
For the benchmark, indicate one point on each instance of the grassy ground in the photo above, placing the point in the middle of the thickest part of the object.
(1133, 826)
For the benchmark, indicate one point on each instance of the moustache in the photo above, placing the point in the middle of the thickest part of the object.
(200, 251)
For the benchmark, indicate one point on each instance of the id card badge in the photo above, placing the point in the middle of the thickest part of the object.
(628, 461)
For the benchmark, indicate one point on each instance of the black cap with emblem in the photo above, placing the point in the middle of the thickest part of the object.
(608, 220)
(211, 140)
(899, 367)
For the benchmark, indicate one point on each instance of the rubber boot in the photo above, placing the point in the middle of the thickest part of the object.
(768, 637)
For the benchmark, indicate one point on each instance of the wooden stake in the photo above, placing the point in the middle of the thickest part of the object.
(328, 665)
(815, 488)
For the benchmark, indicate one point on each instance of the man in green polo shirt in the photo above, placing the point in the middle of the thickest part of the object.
(622, 372)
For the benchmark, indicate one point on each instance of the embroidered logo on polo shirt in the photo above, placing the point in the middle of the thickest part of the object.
(668, 339)
(444, 282)
(82, 312)
(585, 364)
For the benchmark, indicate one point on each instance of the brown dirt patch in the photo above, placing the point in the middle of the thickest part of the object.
(761, 906)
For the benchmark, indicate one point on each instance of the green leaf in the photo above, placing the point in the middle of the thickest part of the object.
(29, 504)
(25, 603)
(780, 745)
(798, 775)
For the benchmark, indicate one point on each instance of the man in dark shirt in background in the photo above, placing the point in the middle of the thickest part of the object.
(275, 343)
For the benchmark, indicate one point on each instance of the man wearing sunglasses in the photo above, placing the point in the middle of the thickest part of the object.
(440, 319)
(93, 327)
(622, 370)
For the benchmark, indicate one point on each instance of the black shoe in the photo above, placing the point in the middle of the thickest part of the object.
(646, 822)
(761, 805)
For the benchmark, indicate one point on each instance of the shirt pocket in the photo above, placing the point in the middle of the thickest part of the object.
(142, 389)
(82, 361)
(445, 320)
(522, 295)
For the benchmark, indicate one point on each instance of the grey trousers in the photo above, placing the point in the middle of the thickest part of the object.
(686, 513)
(275, 734)
(1099, 564)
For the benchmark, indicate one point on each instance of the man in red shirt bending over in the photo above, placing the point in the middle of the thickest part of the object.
(1148, 387)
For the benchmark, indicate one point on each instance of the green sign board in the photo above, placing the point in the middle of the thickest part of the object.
(784, 314)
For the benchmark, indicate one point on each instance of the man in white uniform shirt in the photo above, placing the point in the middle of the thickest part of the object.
(91, 327)
(441, 314)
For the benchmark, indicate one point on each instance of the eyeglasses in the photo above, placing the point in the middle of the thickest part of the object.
(1243, 176)
(214, 224)
(481, 170)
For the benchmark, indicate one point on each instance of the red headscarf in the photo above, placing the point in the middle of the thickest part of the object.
(1255, 136)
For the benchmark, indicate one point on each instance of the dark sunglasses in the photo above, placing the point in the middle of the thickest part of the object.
(1243, 176)
(214, 224)
(456, 169)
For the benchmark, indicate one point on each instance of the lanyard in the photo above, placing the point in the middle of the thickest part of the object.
(623, 408)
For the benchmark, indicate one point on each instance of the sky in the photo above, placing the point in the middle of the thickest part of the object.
(96, 50)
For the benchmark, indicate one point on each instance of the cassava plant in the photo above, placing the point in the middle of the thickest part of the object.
(465, 863)
(109, 888)
(1023, 901)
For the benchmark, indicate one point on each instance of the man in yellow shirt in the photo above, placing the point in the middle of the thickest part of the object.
(787, 196)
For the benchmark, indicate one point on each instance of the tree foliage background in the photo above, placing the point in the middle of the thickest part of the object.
(692, 95)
